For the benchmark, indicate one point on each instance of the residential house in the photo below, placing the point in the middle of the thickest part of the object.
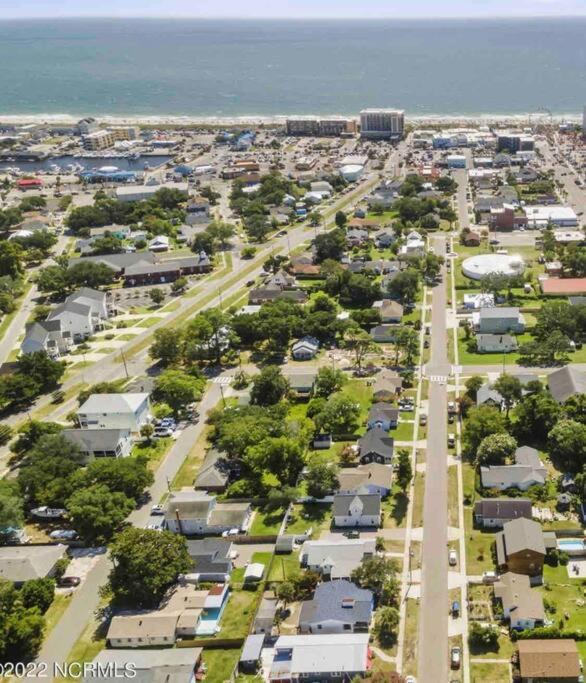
(384, 239)
(493, 513)
(142, 629)
(498, 320)
(214, 473)
(487, 396)
(414, 245)
(548, 661)
(303, 266)
(385, 194)
(496, 343)
(387, 386)
(566, 382)
(356, 236)
(376, 446)
(281, 279)
(265, 616)
(305, 348)
(471, 239)
(100, 443)
(194, 513)
(327, 657)
(477, 301)
(150, 666)
(251, 653)
(507, 217)
(522, 605)
(98, 301)
(75, 318)
(115, 411)
(520, 547)
(337, 607)
(212, 559)
(26, 562)
(47, 336)
(384, 334)
(390, 311)
(372, 478)
(527, 471)
(336, 558)
(302, 383)
(197, 211)
(120, 231)
(264, 294)
(382, 415)
(160, 243)
(357, 510)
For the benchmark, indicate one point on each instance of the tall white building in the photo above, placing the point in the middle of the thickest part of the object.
(380, 124)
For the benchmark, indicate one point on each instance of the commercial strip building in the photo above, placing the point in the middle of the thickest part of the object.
(320, 127)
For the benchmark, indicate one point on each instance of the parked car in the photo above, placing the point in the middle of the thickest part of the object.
(451, 441)
(163, 432)
(68, 581)
(455, 609)
(230, 532)
(423, 419)
(63, 534)
(489, 577)
(353, 533)
(158, 509)
(452, 558)
(455, 657)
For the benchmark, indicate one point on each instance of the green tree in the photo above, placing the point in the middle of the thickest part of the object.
(167, 346)
(157, 295)
(567, 444)
(482, 421)
(99, 388)
(496, 449)
(339, 415)
(379, 575)
(330, 245)
(280, 456)
(97, 513)
(11, 508)
(360, 343)
(483, 636)
(208, 335)
(575, 408)
(322, 479)
(130, 476)
(41, 368)
(328, 381)
(340, 219)
(30, 433)
(386, 624)
(179, 285)
(510, 388)
(473, 385)
(38, 593)
(146, 431)
(22, 635)
(535, 415)
(407, 340)
(53, 279)
(11, 263)
(268, 387)
(404, 469)
(178, 389)
(144, 564)
(404, 286)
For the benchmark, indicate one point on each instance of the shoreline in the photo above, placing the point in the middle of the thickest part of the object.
(278, 119)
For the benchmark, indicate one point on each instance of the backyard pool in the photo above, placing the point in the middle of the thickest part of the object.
(572, 546)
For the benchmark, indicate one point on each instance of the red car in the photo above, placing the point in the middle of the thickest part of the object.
(68, 581)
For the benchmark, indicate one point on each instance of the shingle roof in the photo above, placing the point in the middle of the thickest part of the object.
(544, 659)
(212, 474)
(503, 508)
(96, 439)
(566, 382)
(376, 441)
(523, 534)
(22, 563)
(345, 555)
(381, 412)
(514, 591)
(112, 403)
(370, 503)
(339, 600)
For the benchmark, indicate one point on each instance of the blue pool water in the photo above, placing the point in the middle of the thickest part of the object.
(571, 544)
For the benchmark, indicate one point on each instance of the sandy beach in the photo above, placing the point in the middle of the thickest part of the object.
(253, 120)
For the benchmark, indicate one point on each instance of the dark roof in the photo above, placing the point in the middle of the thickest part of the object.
(566, 382)
(382, 411)
(214, 472)
(370, 503)
(503, 508)
(376, 441)
(210, 555)
(118, 261)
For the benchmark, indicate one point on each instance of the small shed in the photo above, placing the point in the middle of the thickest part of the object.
(254, 572)
(250, 657)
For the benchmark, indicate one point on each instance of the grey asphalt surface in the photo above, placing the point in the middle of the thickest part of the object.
(433, 615)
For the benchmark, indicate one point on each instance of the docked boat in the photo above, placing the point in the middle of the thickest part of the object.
(45, 512)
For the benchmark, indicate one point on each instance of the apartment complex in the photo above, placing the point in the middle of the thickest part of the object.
(103, 139)
(334, 126)
(380, 124)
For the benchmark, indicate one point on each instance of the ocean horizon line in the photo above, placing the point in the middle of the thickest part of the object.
(248, 18)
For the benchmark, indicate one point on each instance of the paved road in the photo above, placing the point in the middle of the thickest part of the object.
(433, 616)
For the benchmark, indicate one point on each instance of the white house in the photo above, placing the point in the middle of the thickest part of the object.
(101, 443)
(191, 513)
(305, 348)
(522, 605)
(354, 510)
(75, 318)
(115, 411)
(159, 243)
(414, 245)
(46, 336)
(336, 559)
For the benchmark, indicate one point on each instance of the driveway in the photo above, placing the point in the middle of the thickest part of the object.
(247, 550)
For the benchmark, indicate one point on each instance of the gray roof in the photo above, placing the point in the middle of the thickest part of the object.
(42, 330)
(87, 293)
(566, 382)
(252, 648)
(210, 555)
(516, 595)
(487, 393)
(376, 441)
(152, 665)
(126, 403)
(503, 508)
(90, 440)
(189, 504)
(376, 474)
(23, 562)
(382, 411)
(510, 475)
(503, 340)
(70, 307)
(118, 261)
(266, 612)
(212, 473)
(525, 455)
(338, 600)
(523, 534)
(370, 503)
(343, 554)
(499, 312)
(302, 380)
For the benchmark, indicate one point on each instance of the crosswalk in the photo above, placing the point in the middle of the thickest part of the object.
(224, 380)
(439, 379)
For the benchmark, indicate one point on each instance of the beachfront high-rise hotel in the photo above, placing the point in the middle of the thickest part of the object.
(382, 124)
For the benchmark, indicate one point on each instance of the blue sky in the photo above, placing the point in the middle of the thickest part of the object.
(291, 8)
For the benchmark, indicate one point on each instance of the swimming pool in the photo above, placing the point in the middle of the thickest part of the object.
(572, 546)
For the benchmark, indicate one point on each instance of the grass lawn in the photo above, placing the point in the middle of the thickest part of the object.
(395, 509)
(411, 637)
(567, 595)
(468, 480)
(284, 567)
(171, 306)
(125, 337)
(453, 495)
(503, 650)
(148, 322)
(467, 357)
(266, 523)
(310, 515)
(154, 451)
(220, 664)
(403, 431)
(418, 499)
(478, 547)
(238, 613)
(490, 673)
(362, 393)
(190, 466)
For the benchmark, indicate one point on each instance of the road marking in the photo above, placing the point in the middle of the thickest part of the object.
(440, 379)
(223, 380)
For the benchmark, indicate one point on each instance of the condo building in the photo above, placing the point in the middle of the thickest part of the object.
(381, 124)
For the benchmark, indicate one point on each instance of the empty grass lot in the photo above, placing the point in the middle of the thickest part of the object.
(316, 516)
(490, 673)
(220, 664)
(478, 547)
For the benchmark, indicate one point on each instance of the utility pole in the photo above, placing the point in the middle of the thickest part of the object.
(124, 361)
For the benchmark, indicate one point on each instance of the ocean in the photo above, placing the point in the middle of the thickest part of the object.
(204, 68)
